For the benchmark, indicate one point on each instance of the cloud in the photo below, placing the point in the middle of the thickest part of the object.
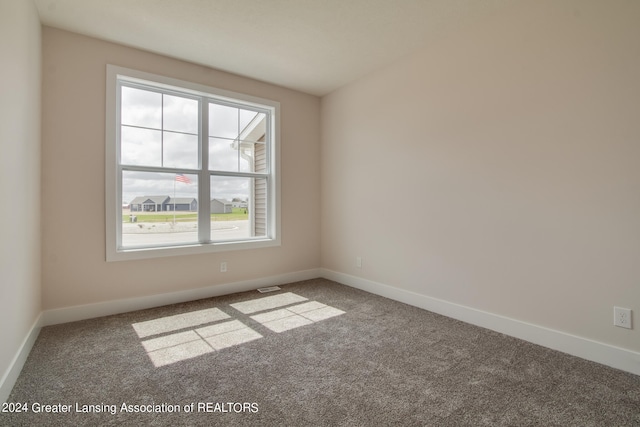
(180, 150)
(141, 108)
(180, 114)
(224, 187)
(135, 183)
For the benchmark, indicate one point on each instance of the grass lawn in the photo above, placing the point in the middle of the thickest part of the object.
(235, 215)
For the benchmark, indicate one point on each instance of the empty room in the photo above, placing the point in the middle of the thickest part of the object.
(356, 212)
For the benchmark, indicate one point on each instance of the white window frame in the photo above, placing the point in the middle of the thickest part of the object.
(113, 169)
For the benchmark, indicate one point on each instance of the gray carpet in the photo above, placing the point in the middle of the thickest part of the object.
(336, 356)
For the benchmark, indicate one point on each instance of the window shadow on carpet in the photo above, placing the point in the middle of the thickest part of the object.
(171, 339)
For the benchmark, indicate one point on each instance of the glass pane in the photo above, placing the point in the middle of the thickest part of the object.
(252, 126)
(180, 150)
(238, 208)
(141, 108)
(159, 209)
(223, 155)
(180, 114)
(223, 121)
(140, 146)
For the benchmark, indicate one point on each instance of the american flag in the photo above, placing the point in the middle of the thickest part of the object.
(182, 178)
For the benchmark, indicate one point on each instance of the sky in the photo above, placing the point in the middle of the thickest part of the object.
(162, 130)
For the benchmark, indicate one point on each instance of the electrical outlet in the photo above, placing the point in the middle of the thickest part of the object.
(359, 262)
(622, 317)
(223, 267)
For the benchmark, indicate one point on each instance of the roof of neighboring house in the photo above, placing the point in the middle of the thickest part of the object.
(223, 201)
(181, 200)
(158, 200)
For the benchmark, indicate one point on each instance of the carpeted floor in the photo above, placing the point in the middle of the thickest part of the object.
(315, 353)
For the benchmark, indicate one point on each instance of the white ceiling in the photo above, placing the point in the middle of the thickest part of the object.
(314, 46)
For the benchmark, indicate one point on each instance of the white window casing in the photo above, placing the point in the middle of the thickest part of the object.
(258, 166)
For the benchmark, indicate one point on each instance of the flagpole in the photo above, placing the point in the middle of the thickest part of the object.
(175, 178)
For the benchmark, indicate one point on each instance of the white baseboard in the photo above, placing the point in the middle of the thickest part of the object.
(89, 311)
(584, 348)
(11, 375)
(606, 354)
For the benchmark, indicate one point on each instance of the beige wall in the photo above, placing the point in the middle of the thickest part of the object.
(73, 147)
(19, 176)
(498, 168)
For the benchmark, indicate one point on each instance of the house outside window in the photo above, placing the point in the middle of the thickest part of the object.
(189, 168)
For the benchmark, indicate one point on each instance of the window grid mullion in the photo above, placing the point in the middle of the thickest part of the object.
(237, 140)
(204, 189)
(162, 129)
(239, 174)
(158, 169)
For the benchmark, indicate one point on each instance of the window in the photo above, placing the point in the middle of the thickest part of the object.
(189, 168)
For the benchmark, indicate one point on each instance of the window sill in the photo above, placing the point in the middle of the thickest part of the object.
(191, 249)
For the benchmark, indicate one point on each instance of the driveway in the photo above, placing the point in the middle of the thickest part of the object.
(157, 233)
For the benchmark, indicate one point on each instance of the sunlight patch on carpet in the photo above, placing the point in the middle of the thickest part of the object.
(296, 316)
(178, 321)
(179, 352)
(179, 337)
(228, 334)
(267, 303)
(180, 346)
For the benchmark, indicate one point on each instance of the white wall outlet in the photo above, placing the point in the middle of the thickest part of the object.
(622, 317)
(223, 267)
(359, 262)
